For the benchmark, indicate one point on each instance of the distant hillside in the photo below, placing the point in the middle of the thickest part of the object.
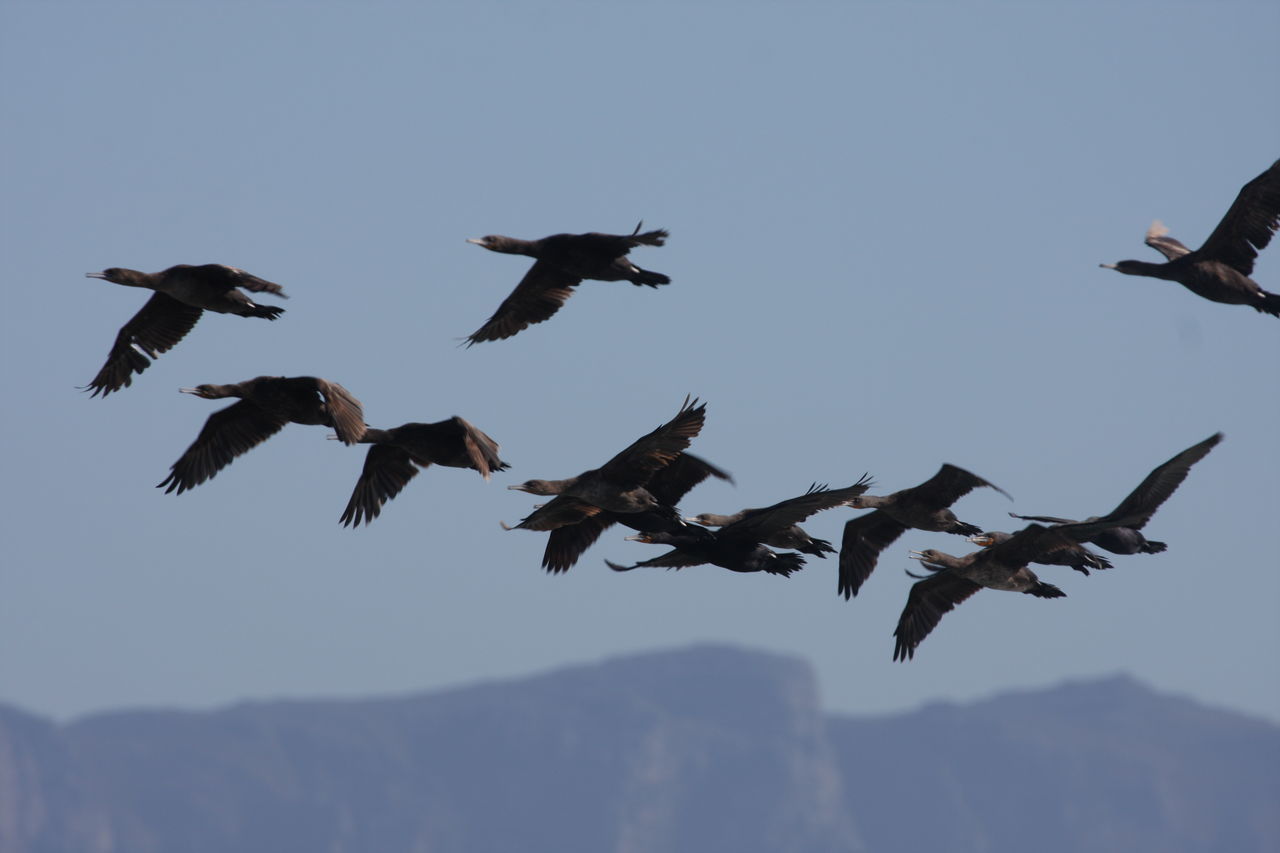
(704, 749)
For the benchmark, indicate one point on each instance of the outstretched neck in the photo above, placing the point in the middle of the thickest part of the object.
(1142, 268)
(127, 277)
(510, 245)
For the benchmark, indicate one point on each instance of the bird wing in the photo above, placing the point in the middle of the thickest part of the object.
(387, 470)
(539, 295)
(673, 559)
(928, 601)
(226, 434)
(482, 449)
(1248, 224)
(673, 482)
(558, 512)
(1157, 239)
(1137, 509)
(649, 454)
(1047, 519)
(1034, 541)
(344, 409)
(156, 328)
(566, 544)
(864, 538)
(236, 277)
(759, 524)
(946, 487)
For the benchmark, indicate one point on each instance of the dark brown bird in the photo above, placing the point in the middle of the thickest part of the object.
(182, 293)
(1140, 505)
(398, 453)
(1219, 270)
(618, 485)
(566, 544)
(739, 546)
(794, 538)
(924, 507)
(562, 262)
(1077, 557)
(266, 404)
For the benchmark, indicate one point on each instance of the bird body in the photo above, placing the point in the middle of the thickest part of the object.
(1077, 557)
(563, 261)
(1219, 270)
(182, 294)
(266, 404)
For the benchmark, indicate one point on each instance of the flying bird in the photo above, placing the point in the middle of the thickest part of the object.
(266, 404)
(562, 261)
(739, 546)
(1219, 270)
(182, 293)
(398, 453)
(1136, 509)
(620, 484)
(924, 507)
(1077, 557)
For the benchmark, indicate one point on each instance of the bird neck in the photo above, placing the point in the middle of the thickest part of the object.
(1145, 268)
(513, 246)
(133, 278)
(375, 436)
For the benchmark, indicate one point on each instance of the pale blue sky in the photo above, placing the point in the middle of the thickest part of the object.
(886, 223)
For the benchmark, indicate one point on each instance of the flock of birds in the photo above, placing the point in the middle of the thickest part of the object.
(641, 486)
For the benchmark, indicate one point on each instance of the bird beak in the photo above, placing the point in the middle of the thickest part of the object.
(1108, 266)
(689, 519)
(188, 390)
(916, 555)
(95, 275)
(477, 241)
(979, 539)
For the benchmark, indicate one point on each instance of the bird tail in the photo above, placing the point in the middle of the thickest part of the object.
(656, 237)
(785, 564)
(1152, 547)
(1270, 304)
(642, 276)
(964, 529)
(1045, 590)
(270, 312)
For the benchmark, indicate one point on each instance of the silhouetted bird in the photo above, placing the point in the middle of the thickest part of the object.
(1077, 557)
(398, 453)
(795, 537)
(1219, 270)
(618, 485)
(1140, 505)
(266, 404)
(566, 544)
(181, 294)
(739, 546)
(563, 262)
(923, 507)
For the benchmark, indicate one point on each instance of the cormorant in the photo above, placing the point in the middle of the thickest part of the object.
(739, 546)
(398, 453)
(618, 485)
(1219, 270)
(1141, 504)
(1077, 557)
(923, 507)
(182, 292)
(563, 262)
(266, 404)
(794, 538)
(566, 544)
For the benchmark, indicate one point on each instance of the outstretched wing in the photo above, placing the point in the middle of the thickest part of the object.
(1137, 509)
(1158, 239)
(536, 298)
(344, 409)
(759, 524)
(560, 511)
(226, 434)
(652, 452)
(1248, 224)
(864, 538)
(387, 470)
(156, 328)
(946, 487)
(928, 601)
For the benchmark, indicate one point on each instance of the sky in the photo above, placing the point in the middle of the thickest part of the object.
(886, 224)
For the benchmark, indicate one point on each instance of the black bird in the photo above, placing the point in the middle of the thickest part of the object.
(923, 507)
(566, 544)
(398, 453)
(1140, 505)
(1002, 566)
(1077, 557)
(266, 404)
(618, 485)
(794, 538)
(739, 546)
(562, 262)
(181, 294)
(1219, 270)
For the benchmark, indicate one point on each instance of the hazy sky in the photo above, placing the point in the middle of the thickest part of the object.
(886, 223)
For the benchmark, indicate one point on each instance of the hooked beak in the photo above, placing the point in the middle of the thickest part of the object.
(479, 241)
(189, 390)
(1108, 266)
(916, 555)
(979, 539)
(95, 275)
